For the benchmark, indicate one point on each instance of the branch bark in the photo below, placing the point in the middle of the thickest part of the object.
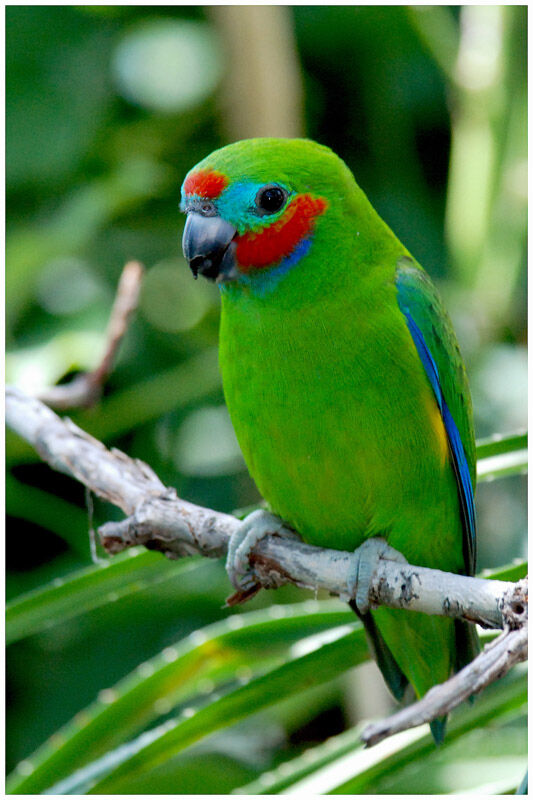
(160, 520)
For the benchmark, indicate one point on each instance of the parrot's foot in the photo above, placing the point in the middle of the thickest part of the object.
(255, 527)
(366, 559)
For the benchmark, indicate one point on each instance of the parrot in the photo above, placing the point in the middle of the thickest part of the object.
(344, 382)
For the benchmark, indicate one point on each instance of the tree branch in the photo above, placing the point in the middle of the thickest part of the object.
(160, 520)
(86, 388)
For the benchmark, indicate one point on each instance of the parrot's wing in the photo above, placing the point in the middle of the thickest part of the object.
(435, 341)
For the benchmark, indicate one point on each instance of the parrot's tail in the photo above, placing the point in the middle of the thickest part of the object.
(394, 677)
(466, 642)
(428, 649)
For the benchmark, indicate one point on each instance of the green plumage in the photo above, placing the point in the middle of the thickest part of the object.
(331, 404)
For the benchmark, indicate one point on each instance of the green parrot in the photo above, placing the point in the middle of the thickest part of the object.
(343, 380)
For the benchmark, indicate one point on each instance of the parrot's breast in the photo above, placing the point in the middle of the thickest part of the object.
(339, 426)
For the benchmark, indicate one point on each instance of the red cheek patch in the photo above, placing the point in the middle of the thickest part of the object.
(206, 183)
(271, 245)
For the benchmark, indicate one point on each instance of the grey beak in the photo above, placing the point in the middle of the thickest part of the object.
(208, 246)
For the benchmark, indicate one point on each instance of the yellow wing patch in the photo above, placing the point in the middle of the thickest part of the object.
(437, 425)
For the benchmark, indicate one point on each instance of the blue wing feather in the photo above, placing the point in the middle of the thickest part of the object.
(419, 309)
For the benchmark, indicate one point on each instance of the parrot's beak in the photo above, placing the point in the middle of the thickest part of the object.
(209, 248)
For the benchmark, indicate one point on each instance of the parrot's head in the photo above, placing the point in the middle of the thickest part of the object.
(257, 208)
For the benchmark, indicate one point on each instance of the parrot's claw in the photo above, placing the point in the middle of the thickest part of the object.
(366, 559)
(257, 525)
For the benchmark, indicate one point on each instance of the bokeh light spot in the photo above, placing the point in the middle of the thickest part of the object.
(171, 300)
(167, 65)
(206, 444)
(66, 285)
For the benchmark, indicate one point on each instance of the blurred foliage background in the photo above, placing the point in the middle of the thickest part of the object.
(107, 109)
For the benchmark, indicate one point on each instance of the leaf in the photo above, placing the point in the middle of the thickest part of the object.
(502, 700)
(501, 456)
(194, 667)
(322, 664)
(49, 511)
(72, 227)
(88, 589)
(496, 445)
(342, 766)
(275, 781)
(502, 466)
(511, 572)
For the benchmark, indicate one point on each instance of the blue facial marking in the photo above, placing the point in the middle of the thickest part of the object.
(265, 281)
(237, 205)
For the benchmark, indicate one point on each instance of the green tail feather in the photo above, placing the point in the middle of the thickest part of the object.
(438, 729)
(394, 677)
(392, 674)
(414, 631)
(466, 643)
(467, 646)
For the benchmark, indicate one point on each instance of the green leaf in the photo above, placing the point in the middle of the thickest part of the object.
(88, 589)
(65, 519)
(511, 572)
(322, 664)
(343, 766)
(76, 223)
(502, 466)
(213, 772)
(505, 700)
(496, 445)
(195, 667)
(500, 457)
(275, 781)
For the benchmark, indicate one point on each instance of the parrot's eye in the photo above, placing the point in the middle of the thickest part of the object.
(270, 199)
(207, 209)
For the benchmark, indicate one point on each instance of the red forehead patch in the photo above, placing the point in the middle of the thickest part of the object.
(206, 183)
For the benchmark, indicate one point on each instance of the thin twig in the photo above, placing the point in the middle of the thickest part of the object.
(84, 390)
